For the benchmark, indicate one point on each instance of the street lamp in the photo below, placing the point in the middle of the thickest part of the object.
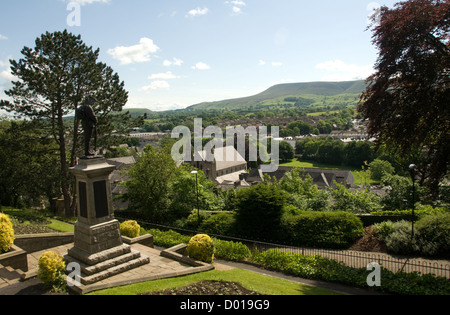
(412, 172)
(198, 207)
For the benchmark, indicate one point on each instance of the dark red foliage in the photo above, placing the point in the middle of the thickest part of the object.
(407, 100)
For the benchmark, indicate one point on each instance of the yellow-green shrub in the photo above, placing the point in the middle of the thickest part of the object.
(130, 229)
(201, 247)
(6, 233)
(51, 268)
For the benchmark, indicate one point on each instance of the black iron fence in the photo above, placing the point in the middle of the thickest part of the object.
(355, 259)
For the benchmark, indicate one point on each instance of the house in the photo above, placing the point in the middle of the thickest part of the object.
(118, 176)
(323, 178)
(225, 169)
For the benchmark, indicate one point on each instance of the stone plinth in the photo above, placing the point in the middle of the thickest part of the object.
(98, 246)
(96, 238)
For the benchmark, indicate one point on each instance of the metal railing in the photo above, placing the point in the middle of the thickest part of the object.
(355, 259)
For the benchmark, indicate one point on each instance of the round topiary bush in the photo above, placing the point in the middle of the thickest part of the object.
(6, 233)
(51, 269)
(201, 247)
(130, 229)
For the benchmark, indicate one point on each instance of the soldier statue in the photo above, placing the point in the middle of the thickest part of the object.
(89, 121)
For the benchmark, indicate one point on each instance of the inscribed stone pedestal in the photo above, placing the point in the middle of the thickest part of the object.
(98, 246)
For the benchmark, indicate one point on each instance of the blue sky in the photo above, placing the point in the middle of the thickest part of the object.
(176, 53)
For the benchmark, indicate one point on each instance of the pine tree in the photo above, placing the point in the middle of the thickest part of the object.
(54, 78)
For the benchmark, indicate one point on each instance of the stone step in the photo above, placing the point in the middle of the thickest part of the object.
(9, 276)
(9, 273)
(90, 270)
(115, 270)
(98, 257)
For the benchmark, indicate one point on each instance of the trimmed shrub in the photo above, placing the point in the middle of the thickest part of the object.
(220, 224)
(234, 251)
(321, 229)
(6, 233)
(51, 269)
(259, 211)
(383, 230)
(130, 229)
(399, 241)
(201, 247)
(169, 238)
(433, 235)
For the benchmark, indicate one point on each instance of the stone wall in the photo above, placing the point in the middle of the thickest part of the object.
(32, 243)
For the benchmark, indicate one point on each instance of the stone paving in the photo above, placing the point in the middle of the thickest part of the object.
(162, 265)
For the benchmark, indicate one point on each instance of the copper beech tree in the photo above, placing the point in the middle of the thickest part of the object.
(407, 100)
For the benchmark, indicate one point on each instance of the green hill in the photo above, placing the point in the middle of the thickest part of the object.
(314, 92)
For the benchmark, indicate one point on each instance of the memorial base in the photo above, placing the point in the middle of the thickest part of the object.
(96, 238)
(98, 248)
(105, 264)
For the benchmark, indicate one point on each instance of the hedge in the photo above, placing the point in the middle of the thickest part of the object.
(335, 229)
(302, 228)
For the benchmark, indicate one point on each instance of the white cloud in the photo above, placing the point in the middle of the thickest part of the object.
(84, 2)
(174, 62)
(197, 12)
(237, 10)
(236, 6)
(236, 2)
(7, 75)
(164, 76)
(273, 63)
(134, 54)
(3, 37)
(340, 71)
(155, 85)
(201, 66)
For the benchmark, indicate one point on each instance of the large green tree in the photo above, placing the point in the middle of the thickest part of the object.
(407, 99)
(54, 78)
(164, 192)
(28, 164)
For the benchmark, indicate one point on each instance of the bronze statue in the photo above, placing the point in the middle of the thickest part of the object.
(89, 121)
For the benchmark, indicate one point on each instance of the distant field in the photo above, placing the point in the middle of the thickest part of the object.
(297, 163)
(323, 113)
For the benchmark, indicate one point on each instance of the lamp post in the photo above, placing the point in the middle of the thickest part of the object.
(198, 207)
(412, 172)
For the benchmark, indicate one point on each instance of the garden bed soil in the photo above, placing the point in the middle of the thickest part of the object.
(41, 228)
(207, 288)
(369, 243)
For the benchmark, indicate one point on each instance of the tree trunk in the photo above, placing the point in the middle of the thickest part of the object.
(64, 170)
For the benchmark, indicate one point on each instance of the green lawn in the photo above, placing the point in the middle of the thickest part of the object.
(265, 285)
(61, 226)
(359, 177)
(297, 163)
(31, 217)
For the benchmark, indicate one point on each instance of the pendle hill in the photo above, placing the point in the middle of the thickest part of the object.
(301, 94)
(308, 94)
